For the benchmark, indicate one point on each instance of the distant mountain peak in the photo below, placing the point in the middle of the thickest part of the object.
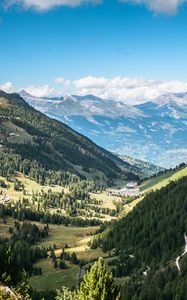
(88, 97)
(171, 98)
(69, 98)
(23, 93)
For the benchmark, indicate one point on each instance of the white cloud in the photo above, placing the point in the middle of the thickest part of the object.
(61, 80)
(169, 7)
(43, 5)
(37, 91)
(40, 91)
(129, 90)
(91, 83)
(7, 87)
(125, 89)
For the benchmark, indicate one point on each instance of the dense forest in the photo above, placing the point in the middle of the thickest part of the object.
(147, 243)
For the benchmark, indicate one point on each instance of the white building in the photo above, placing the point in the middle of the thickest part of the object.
(131, 189)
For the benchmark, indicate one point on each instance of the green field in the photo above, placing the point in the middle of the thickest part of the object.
(52, 278)
(30, 186)
(61, 235)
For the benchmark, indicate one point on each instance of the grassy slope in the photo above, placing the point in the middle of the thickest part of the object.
(52, 279)
(162, 180)
(107, 201)
(30, 186)
(61, 235)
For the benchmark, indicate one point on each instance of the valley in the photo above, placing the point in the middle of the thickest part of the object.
(71, 238)
(60, 207)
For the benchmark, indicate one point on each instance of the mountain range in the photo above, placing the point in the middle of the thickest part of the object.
(154, 131)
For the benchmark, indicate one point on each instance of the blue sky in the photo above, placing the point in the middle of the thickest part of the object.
(95, 42)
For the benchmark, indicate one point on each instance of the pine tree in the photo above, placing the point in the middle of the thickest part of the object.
(98, 284)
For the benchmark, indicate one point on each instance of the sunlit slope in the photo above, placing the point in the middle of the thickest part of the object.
(162, 180)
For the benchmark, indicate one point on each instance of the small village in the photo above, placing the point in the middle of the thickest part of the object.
(131, 189)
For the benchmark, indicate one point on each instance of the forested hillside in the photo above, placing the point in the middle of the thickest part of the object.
(147, 243)
(34, 141)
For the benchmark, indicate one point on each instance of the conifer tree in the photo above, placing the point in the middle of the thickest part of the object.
(98, 284)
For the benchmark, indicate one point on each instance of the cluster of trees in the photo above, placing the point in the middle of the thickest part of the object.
(95, 211)
(11, 163)
(77, 202)
(60, 261)
(23, 213)
(162, 284)
(147, 242)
